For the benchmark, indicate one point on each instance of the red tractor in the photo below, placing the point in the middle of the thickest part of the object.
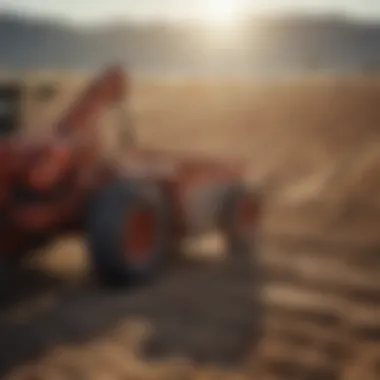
(133, 210)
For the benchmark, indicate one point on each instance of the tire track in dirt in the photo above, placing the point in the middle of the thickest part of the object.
(322, 295)
(316, 316)
(204, 312)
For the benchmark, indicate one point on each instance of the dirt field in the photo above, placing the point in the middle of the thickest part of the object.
(314, 148)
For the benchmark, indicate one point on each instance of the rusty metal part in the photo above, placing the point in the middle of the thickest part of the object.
(46, 183)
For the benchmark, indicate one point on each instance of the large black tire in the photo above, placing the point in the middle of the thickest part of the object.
(108, 228)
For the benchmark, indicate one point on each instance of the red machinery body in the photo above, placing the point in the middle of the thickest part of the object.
(46, 182)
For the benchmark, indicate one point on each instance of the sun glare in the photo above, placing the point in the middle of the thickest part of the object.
(222, 12)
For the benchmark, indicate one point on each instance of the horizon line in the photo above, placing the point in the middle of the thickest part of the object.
(264, 15)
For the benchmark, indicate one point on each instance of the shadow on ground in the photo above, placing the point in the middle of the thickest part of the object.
(206, 312)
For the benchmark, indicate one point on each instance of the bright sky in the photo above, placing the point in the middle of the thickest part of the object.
(97, 10)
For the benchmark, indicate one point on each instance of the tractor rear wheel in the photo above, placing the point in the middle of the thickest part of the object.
(129, 232)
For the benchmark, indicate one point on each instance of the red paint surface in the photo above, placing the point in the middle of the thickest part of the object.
(71, 156)
(140, 236)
